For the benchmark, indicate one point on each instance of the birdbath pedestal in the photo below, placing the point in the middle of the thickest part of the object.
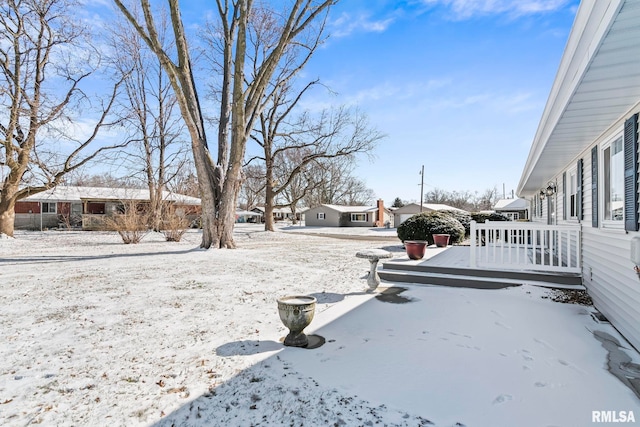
(374, 255)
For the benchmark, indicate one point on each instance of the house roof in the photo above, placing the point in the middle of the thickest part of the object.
(351, 209)
(284, 210)
(597, 83)
(511, 204)
(428, 206)
(77, 194)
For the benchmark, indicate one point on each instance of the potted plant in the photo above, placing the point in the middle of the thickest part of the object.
(422, 228)
(415, 248)
(441, 240)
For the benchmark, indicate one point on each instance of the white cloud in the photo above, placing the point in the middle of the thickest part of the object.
(464, 9)
(347, 24)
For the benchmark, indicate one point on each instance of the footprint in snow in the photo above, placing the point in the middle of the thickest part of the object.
(502, 398)
(544, 344)
(502, 325)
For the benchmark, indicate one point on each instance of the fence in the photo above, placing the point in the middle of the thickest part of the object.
(526, 246)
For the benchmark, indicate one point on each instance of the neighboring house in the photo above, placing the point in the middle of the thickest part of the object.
(281, 214)
(583, 165)
(248, 216)
(349, 216)
(407, 211)
(88, 206)
(514, 209)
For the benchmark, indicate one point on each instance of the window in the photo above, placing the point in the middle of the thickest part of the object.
(320, 215)
(572, 194)
(358, 217)
(513, 216)
(48, 207)
(613, 191)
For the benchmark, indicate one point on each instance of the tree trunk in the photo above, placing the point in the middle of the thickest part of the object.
(206, 181)
(7, 215)
(268, 209)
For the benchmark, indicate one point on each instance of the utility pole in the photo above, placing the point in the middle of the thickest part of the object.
(421, 187)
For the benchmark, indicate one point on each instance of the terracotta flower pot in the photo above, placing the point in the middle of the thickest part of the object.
(415, 248)
(441, 240)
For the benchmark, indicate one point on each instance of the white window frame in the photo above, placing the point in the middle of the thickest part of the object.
(49, 204)
(602, 188)
(354, 217)
(320, 215)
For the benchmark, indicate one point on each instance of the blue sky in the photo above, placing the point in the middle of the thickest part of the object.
(456, 85)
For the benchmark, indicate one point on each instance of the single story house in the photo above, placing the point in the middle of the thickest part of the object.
(86, 207)
(349, 216)
(281, 214)
(243, 216)
(582, 169)
(515, 209)
(407, 211)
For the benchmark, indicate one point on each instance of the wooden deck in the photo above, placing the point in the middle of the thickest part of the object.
(450, 266)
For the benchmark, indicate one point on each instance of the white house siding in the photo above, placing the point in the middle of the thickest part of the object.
(609, 277)
(607, 270)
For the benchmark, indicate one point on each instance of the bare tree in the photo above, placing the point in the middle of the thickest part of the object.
(180, 75)
(185, 182)
(437, 195)
(252, 192)
(337, 185)
(333, 134)
(240, 100)
(487, 199)
(149, 109)
(300, 184)
(465, 200)
(44, 59)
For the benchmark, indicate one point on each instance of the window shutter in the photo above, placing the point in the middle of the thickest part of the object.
(564, 195)
(594, 186)
(631, 173)
(579, 174)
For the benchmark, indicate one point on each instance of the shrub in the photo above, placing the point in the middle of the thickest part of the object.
(131, 224)
(174, 227)
(481, 217)
(463, 218)
(424, 225)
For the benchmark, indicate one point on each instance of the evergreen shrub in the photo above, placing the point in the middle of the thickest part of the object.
(424, 225)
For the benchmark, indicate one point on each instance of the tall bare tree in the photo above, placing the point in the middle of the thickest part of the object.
(180, 74)
(44, 59)
(149, 111)
(331, 135)
(240, 100)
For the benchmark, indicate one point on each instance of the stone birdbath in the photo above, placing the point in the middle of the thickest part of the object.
(296, 312)
(374, 255)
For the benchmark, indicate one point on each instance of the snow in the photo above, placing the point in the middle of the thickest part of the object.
(95, 332)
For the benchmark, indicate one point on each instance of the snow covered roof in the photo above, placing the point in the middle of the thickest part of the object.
(77, 194)
(284, 210)
(349, 209)
(511, 205)
(440, 207)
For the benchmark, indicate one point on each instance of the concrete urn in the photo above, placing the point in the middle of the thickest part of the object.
(296, 312)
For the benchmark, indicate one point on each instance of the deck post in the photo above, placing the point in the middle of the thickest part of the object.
(474, 240)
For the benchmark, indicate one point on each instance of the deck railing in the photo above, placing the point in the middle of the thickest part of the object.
(526, 246)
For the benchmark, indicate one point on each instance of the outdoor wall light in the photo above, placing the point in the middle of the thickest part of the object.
(542, 194)
(551, 189)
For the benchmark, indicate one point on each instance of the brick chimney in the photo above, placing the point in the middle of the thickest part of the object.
(380, 220)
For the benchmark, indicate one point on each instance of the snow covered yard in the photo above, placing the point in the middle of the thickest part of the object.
(95, 332)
